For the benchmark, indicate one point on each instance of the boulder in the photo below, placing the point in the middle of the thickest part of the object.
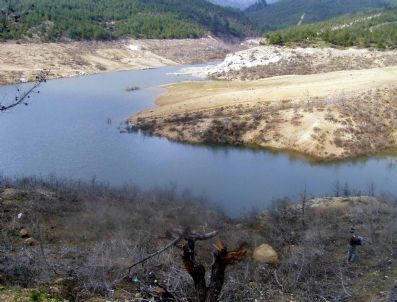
(24, 233)
(266, 254)
(30, 241)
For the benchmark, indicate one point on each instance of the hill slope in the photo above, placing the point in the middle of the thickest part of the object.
(375, 29)
(104, 19)
(290, 12)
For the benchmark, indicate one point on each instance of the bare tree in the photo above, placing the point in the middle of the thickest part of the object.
(222, 259)
(23, 96)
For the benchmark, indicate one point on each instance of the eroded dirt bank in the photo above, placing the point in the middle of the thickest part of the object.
(330, 116)
(21, 62)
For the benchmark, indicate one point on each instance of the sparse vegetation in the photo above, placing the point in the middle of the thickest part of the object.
(132, 88)
(87, 235)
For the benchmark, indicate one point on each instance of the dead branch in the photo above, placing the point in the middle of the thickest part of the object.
(340, 276)
(169, 245)
(49, 266)
(22, 98)
(277, 281)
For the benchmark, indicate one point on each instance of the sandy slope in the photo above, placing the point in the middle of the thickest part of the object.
(21, 62)
(329, 115)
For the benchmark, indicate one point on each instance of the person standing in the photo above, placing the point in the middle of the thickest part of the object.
(354, 242)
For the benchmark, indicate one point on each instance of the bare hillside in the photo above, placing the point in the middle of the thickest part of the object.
(22, 62)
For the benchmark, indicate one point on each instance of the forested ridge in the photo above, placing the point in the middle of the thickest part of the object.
(112, 19)
(289, 12)
(61, 20)
(375, 29)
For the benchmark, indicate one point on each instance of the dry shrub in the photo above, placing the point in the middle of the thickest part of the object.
(92, 233)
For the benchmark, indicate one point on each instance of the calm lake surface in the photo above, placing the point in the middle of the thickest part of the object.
(65, 132)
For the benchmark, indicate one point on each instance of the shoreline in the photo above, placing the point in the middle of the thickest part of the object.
(319, 116)
(21, 62)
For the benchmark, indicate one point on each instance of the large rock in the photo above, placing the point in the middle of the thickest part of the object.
(24, 233)
(266, 254)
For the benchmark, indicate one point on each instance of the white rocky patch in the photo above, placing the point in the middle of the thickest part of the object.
(133, 47)
(266, 55)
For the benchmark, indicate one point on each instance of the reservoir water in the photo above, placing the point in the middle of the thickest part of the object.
(71, 130)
